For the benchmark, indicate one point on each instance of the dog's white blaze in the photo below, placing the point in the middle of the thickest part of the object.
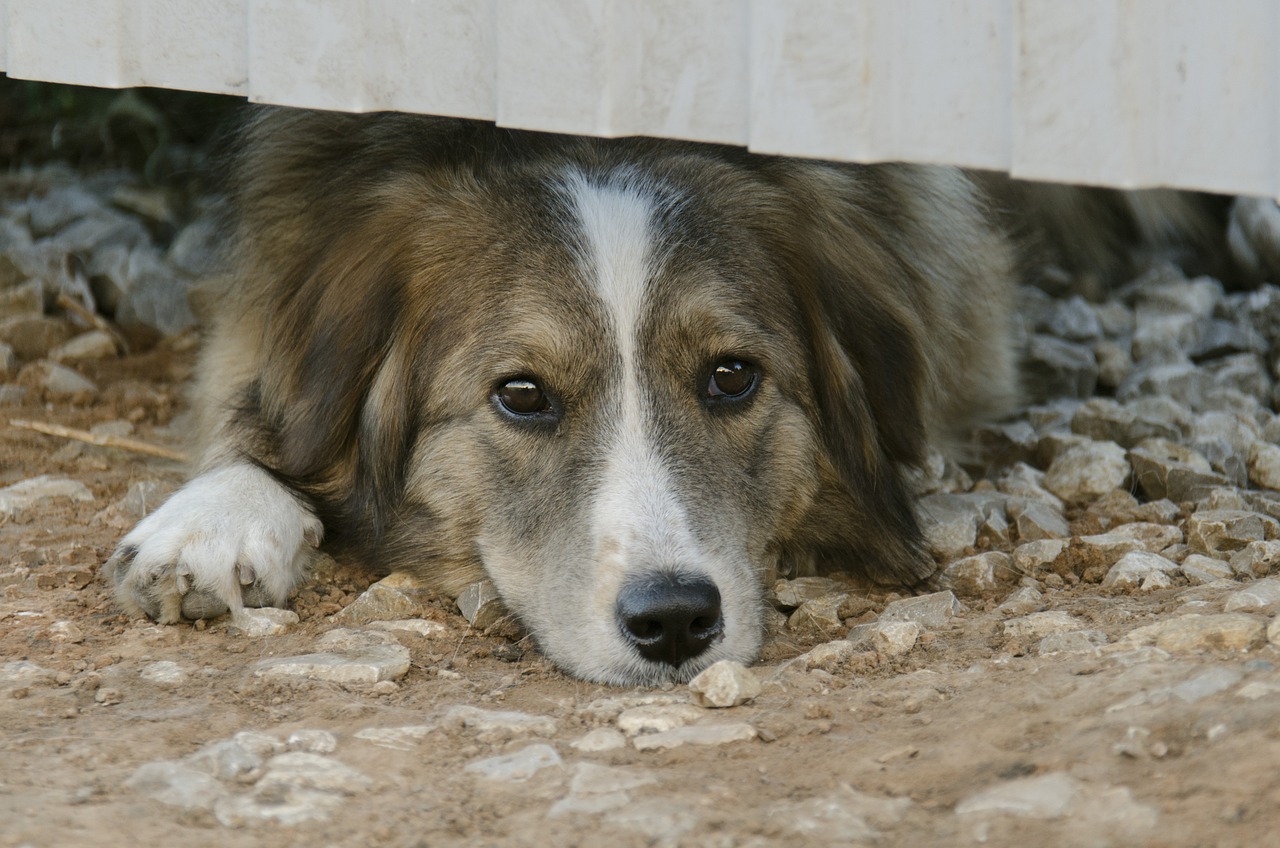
(636, 514)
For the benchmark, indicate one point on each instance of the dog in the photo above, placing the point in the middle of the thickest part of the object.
(629, 381)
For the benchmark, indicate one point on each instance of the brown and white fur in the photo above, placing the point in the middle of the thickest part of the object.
(396, 280)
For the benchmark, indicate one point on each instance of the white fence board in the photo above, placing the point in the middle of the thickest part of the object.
(1120, 92)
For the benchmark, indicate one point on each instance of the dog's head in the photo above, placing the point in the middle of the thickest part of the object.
(629, 385)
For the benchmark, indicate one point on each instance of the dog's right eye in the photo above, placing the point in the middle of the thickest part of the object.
(523, 397)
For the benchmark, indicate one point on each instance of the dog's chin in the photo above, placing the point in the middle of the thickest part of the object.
(622, 665)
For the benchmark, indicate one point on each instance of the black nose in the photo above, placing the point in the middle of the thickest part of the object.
(670, 617)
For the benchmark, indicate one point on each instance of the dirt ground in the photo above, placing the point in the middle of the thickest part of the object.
(971, 737)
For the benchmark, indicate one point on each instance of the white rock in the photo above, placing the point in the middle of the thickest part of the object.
(1256, 559)
(1071, 642)
(520, 766)
(21, 496)
(21, 673)
(300, 770)
(312, 741)
(842, 817)
(1273, 631)
(383, 662)
(1220, 532)
(1021, 601)
(95, 344)
(1031, 557)
(828, 656)
(66, 631)
(593, 779)
(420, 626)
(499, 724)
(1263, 593)
(1046, 796)
(724, 684)
(1087, 472)
(1041, 624)
(891, 638)
(1156, 580)
(701, 734)
(481, 605)
(257, 622)
(1233, 631)
(657, 718)
(600, 739)
(262, 744)
(176, 784)
(226, 760)
(929, 611)
(288, 806)
(1135, 567)
(981, 573)
(1206, 683)
(163, 673)
(792, 593)
(404, 738)
(1200, 569)
(1264, 465)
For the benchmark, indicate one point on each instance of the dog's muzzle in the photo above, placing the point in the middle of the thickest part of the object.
(670, 617)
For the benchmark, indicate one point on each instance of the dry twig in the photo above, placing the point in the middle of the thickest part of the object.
(121, 442)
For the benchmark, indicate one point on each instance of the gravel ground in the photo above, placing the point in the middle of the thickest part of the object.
(1099, 666)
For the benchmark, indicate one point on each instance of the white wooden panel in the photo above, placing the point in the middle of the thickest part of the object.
(192, 44)
(432, 56)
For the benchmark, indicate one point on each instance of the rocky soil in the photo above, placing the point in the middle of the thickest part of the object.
(1099, 667)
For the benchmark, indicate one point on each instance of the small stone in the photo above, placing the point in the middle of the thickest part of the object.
(981, 574)
(496, 725)
(1033, 557)
(1222, 531)
(1264, 465)
(176, 784)
(300, 770)
(842, 817)
(66, 631)
(657, 718)
(1228, 631)
(828, 657)
(1135, 567)
(891, 638)
(58, 382)
(1256, 559)
(1026, 484)
(1087, 472)
(481, 605)
(1164, 469)
(24, 673)
(1200, 569)
(163, 673)
(1021, 601)
(1153, 537)
(1036, 521)
(593, 779)
(312, 741)
(227, 760)
(1040, 624)
(95, 344)
(517, 767)
(374, 664)
(287, 806)
(1273, 631)
(598, 740)
(31, 337)
(702, 734)
(257, 622)
(1207, 683)
(420, 626)
(1046, 796)
(21, 496)
(1263, 593)
(818, 616)
(724, 684)
(386, 687)
(1155, 581)
(789, 594)
(263, 744)
(1182, 381)
(950, 522)
(929, 611)
(1056, 368)
(1071, 642)
(381, 602)
(397, 738)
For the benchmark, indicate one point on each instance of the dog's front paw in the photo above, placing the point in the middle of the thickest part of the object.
(231, 537)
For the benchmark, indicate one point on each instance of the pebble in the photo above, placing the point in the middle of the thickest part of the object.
(228, 760)
(818, 616)
(95, 344)
(1222, 531)
(724, 684)
(1200, 569)
(1256, 559)
(163, 673)
(386, 600)
(929, 611)
(598, 740)
(1040, 624)
(1037, 521)
(403, 738)
(1055, 368)
(657, 718)
(312, 741)
(1023, 600)
(845, 816)
(262, 744)
(176, 784)
(257, 622)
(1071, 642)
(1153, 537)
(480, 605)
(31, 337)
(1206, 683)
(1263, 593)
(58, 382)
(21, 673)
(1087, 472)
(980, 574)
(517, 767)
(21, 496)
(950, 522)
(789, 594)
(1135, 567)
(1232, 631)
(372, 665)
(495, 725)
(891, 638)
(1163, 469)
(287, 806)
(1264, 465)
(1033, 557)
(66, 631)
(302, 770)
(1047, 796)
(1273, 631)
(828, 657)
(701, 734)
(420, 626)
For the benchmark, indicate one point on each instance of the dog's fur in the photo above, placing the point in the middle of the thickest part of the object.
(391, 274)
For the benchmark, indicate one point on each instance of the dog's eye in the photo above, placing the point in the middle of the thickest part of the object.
(522, 396)
(732, 379)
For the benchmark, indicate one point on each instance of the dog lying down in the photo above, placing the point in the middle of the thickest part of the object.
(631, 381)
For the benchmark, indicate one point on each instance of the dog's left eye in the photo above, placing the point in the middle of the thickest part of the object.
(732, 379)
(522, 396)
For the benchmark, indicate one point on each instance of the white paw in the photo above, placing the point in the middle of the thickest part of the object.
(229, 538)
